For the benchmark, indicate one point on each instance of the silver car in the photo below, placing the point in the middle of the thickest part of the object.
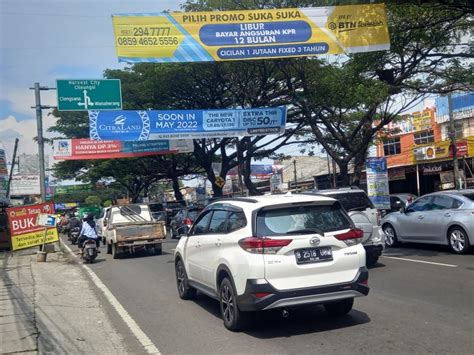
(439, 218)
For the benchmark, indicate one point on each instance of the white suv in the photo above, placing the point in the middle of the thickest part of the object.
(269, 252)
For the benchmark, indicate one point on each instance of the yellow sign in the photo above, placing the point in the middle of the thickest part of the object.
(422, 120)
(219, 181)
(32, 239)
(250, 34)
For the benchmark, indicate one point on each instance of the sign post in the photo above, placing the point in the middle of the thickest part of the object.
(82, 95)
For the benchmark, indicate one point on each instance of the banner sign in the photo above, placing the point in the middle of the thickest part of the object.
(82, 149)
(259, 171)
(417, 121)
(185, 124)
(377, 182)
(25, 185)
(65, 206)
(250, 34)
(24, 229)
(463, 107)
(68, 189)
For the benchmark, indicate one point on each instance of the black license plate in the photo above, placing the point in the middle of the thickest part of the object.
(313, 255)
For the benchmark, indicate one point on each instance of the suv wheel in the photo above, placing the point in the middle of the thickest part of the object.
(390, 236)
(185, 291)
(458, 240)
(371, 260)
(339, 308)
(233, 318)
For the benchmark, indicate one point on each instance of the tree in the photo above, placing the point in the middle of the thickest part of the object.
(93, 200)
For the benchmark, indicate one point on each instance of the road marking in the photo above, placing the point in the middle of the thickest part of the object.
(419, 261)
(129, 321)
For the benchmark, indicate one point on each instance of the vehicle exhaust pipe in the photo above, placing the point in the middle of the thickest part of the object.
(285, 313)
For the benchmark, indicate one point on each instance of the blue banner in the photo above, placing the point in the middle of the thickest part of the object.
(377, 182)
(185, 124)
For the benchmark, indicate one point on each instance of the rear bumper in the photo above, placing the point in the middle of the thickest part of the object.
(287, 298)
(138, 243)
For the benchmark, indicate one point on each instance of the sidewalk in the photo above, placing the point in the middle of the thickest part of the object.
(51, 308)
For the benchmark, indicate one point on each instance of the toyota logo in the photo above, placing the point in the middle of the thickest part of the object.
(314, 241)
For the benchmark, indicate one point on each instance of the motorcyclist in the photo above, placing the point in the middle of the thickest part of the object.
(74, 222)
(88, 231)
(63, 222)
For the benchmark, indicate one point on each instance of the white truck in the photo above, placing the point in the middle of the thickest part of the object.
(129, 228)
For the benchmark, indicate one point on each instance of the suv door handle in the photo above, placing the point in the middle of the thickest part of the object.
(218, 243)
(447, 214)
(198, 245)
(421, 217)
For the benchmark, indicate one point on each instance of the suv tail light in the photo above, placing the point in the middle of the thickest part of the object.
(352, 237)
(188, 221)
(263, 245)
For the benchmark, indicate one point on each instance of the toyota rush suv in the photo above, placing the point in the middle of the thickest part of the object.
(269, 252)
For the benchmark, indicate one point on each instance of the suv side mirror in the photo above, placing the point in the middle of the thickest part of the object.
(403, 209)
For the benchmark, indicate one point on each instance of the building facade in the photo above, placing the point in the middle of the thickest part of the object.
(419, 151)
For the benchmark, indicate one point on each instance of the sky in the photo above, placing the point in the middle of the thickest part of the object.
(45, 40)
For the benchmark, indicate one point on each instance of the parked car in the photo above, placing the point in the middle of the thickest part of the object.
(439, 218)
(272, 252)
(399, 201)
(181, 223)
(364, 215)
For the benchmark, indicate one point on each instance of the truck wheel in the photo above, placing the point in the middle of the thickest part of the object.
(339, 308)
(157, 249)
(115, 251)
(104, 241)
(109, 248)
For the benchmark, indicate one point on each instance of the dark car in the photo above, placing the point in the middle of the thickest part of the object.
(183, 220)
(399, 201)
(172, 208)
(158, 212)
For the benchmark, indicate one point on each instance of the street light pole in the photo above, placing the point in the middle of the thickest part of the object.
(452, 136)
(39, 125)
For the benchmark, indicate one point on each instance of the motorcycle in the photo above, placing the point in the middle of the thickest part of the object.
(89, 250)
(74, 234)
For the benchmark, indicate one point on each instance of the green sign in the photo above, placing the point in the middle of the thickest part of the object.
(89, 94)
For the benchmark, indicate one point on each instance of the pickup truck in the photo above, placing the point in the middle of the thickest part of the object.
(128, 228)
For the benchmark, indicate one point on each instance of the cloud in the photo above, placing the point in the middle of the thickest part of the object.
(25, 131)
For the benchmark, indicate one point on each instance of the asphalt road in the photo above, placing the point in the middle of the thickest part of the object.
(423, 304)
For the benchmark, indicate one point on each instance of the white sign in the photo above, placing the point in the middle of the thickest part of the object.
(46, 220)
(25, 185)
(276, 184)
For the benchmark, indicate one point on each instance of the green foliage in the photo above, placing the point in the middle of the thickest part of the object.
(93, 200)
(107, 203)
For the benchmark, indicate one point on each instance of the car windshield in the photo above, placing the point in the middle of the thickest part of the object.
(156, 207)
(353, 200)
(301, 219)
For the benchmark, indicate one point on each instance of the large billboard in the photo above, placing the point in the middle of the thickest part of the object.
(462, 107)
(250, 34)
(185, 124)
(24, 230)
(25, 185)
(83, 149)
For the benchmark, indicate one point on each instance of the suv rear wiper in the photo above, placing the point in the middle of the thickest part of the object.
(305, 231)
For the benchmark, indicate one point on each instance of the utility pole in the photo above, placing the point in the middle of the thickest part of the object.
(12, 167)
(294, 174)
(452, 136)
(39, 125)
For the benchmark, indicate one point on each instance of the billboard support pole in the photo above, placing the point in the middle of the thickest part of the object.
(452, 136)
(39, 124)
(12, 166)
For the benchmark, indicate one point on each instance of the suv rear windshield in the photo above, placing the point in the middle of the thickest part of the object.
(306, 219)
(353, 200)
(156, 207)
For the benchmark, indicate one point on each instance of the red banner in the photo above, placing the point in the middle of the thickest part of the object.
(24, 230)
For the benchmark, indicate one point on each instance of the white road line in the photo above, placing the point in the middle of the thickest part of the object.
(129, 321)
(419, 261)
